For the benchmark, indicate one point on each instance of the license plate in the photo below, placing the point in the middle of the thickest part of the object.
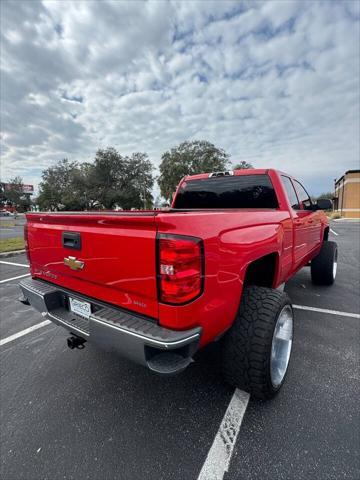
(80, 308)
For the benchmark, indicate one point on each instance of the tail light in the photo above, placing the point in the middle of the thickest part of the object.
(26, 241)
(180, 268)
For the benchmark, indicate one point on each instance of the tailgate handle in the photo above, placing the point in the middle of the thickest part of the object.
(71, 240)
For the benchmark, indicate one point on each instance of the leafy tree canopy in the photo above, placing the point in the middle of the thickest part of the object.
(329, 195)
(60, 187)
(14, 191)
(112, 180)
(242, 165)
(189, 158)
(14, 195)
(123, 181)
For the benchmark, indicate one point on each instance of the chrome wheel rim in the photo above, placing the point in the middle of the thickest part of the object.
(281, 345)
(335, 266)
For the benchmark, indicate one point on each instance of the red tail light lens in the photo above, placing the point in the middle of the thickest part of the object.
(180, 268)
(26, 241)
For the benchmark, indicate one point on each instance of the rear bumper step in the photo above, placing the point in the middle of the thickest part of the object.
(132, 336)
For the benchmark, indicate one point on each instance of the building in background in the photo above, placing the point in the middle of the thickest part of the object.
(347, 194)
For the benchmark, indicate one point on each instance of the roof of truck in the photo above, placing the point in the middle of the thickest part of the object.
(247, 171)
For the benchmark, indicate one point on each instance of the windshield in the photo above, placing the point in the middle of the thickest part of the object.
(243, 191)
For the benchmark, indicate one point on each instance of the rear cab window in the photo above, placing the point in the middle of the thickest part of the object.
(238, 191)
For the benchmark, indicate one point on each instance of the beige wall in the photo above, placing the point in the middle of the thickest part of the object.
(349, 201)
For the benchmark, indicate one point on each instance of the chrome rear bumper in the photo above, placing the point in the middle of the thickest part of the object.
(138, 338)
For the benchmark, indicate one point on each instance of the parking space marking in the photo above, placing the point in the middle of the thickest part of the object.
(332, 231)
(325, 310)
(24, 332)
(218, 459)
(14, 278)
(13, 263)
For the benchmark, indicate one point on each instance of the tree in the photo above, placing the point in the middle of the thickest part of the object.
(242, 165)
(14, 191)
(140, 177)
(14, 194)
(329, 195)
(189, 158)
(123, 181)
(62, 187)
(112, 180)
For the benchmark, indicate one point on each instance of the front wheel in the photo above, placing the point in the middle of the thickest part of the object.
(256, 350)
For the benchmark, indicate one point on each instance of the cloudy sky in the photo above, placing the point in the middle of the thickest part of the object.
(274, 83)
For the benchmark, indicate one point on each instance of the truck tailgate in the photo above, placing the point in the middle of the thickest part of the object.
(110, 257)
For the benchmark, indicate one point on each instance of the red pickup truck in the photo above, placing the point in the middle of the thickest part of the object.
(156, 286)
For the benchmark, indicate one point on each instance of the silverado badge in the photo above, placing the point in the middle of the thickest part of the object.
(73, 263)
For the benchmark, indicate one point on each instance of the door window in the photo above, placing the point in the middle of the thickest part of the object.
(290, 191)
(304, 197)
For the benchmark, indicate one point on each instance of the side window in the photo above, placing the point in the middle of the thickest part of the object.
(304, 197)
(290, 191)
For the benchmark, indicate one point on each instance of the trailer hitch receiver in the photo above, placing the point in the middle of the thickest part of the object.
(76, 342)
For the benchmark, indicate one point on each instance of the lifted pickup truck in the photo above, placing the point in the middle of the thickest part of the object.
(156, 286)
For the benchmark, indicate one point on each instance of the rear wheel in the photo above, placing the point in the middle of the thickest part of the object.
(324, 265)
(256, 350)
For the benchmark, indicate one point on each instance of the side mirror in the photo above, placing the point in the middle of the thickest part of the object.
(324, 204)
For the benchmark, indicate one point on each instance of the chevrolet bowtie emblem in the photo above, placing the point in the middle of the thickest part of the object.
(73, 263)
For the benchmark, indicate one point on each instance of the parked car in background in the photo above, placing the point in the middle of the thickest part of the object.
(5, 213)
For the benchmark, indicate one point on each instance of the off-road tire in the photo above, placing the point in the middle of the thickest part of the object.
(322, 266)
(246, 348)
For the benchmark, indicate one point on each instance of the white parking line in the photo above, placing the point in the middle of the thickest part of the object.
(218, 459)
(14, 278)
(13, 263)
(332, 231)
(325, 310)
(24, 332)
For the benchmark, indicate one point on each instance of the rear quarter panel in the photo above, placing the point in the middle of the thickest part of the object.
(232, 240)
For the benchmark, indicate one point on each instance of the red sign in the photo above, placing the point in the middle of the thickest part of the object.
(25, 188)
(28, 188)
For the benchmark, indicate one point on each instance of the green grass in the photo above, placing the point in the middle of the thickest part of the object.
(10, 244)
(7, 224)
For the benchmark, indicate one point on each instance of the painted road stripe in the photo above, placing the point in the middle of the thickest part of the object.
(332, 231)
(14, 278)
(24, 332)
(298, 307)
(325, 310)
(218, 459)
(13, 263)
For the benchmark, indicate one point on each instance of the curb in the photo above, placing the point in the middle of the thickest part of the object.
(10, 254)
(346, 219)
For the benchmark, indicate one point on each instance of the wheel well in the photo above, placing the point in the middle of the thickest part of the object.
(262, 271)
(326, 234)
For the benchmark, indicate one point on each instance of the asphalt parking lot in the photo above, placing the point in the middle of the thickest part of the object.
(11, 228)
(91, 415)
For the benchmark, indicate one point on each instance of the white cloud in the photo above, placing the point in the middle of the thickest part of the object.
(275, 83)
